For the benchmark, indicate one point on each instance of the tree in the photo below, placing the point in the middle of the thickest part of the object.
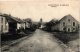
(50, 24)
(28, 20)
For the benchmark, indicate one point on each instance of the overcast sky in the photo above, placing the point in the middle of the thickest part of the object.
(36, 9)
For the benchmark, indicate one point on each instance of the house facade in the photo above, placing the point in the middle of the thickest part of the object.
(67, 24)
(27, 25)
(19, 23)
(3, 25)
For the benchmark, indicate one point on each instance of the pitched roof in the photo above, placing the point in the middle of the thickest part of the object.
(67, 16)
(17, 19)
(11, 18)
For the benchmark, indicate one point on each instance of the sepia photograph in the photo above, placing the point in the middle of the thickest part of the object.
(39, 25)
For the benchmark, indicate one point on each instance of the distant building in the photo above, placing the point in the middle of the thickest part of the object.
(27, 25)
(67, 24)
(28, 22)
(41, 20)
(10, 24)
(41, 23)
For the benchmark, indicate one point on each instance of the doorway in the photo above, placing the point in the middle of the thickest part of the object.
(12, 27)
(68, 29)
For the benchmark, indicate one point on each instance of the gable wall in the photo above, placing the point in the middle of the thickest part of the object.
(68, 24)
(3, 25)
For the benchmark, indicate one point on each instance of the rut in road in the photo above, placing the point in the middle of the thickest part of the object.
(40, 42)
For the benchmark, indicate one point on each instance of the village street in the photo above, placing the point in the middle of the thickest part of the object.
(40, 41)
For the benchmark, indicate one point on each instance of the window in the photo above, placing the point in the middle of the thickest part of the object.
(64, 29)
(73, 28)
(63, 23)
(69, 20)
(68, 29)
(2, 20)
(73, 23)
(1, 28)
(5, 27)
(5, 24)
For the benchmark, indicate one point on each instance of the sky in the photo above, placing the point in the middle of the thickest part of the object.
(45, 9)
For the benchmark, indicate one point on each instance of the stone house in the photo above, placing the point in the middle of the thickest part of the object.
(67, 24)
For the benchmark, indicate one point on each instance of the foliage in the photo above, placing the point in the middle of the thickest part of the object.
(50, 24)
(29, 20)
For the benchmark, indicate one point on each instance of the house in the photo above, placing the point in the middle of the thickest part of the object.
(43, 25)
(28, 22)
(27, 25)
(19, 23)
(66, 24)
(3, 24)
(9, 23)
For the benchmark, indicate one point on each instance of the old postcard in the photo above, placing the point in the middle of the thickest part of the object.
(39, 25)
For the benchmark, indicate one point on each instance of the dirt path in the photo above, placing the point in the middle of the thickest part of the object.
(40, 42)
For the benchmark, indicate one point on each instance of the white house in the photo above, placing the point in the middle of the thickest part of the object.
(10, 24)
(27, 25)
(20, 23)
(28, 22)
(3, 25)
